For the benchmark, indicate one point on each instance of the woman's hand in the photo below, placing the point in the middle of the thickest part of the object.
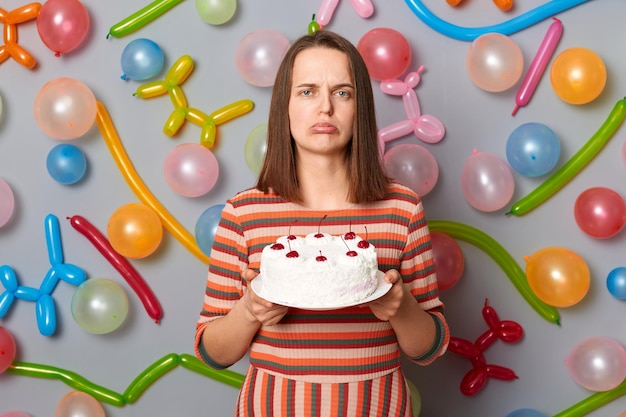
(259, 309)
(386, 307)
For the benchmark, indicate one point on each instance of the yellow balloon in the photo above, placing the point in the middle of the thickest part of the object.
(558, 276)
(578, 75)
(135, 230)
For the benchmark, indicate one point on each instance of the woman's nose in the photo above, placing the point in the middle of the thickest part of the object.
(326, 105)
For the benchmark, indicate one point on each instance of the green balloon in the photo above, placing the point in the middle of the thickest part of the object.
(216, 12)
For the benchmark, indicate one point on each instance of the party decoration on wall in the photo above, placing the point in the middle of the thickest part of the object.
(206, 227)
(494, 62)
(363, 8)
(533, 149)
(141, 59)
(14, 414)
(525, 20)
(525, 412)
(487, 182)
(414, 166)
(313, 26)
(134, 181)
(507, 330)
(77, 403)
(216, 12)
(538, 65)
(66, 164)
(65, 108)
(616, 282)
(7, 349)
(386, 52)
(600, 212)
(449, 260)
(597, 363)
(258, 56)
(121, 264)
(578, 75)
(10, 20)
(575, 164)
(508, 264)
(141, 17)
(7, 202)
(62, 25)
(175, 76)
(191, 169)
(135, 230)
(255, 148)
(593, 402)
(558, 276)
(134, 390)
(425, 126)
(504, 5)
(99, 305)
(42, 296)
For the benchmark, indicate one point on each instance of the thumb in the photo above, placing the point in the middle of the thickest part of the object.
(249, 274)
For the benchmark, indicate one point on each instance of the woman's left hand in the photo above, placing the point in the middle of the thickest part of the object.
(385, 307)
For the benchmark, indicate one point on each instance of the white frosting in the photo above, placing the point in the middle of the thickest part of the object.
(345, 275)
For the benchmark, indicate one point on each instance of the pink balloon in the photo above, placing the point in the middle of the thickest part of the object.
(65, 108)
(7, 202)
(386, 52)
(600, 212)
(78, 404)
(62, 24)
(7, 349)
(597, 363)
(191, 169)
(494, 62)
(487, 182)
(449, 260)
(414, 166)
(14, 414)
(258, 56)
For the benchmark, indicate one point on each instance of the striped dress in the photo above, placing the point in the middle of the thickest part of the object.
(341, 362)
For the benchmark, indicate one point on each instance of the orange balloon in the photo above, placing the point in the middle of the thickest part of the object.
(135, 230)
(578, 75)
(558, 276)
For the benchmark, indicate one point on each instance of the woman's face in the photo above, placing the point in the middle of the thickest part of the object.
(322, 102)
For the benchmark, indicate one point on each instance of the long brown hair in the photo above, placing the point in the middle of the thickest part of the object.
(367, 179)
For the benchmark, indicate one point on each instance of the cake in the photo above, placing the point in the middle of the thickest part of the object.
(319, 270)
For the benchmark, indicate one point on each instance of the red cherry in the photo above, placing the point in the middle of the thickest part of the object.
(352, 253)
(349, 236)
(277, 246)
(320, 234)
(320, 258)
(293, 254)
(364, 244)
(291, 237)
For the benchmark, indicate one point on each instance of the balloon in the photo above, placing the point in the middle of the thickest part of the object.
(14, 414)
(114, 144)
(575, 164)
(62, 24)
(206, 227)
(538, 65)
(121, 264)
(191, 170)
(10, 20)
(503, 258)
(578, 75)
(255, 148)
(216, 12)
(258, 56)
(525, 412)
(616, 282)
(593, 402)
(600, 212)
(449, 260)
(135, 230)
(65, 108)
(558, 276)
(149, 375)
(533, 149)
(624, 152)
(363, 8)
(519, 22)
(141, 59)
(414, 166)
(487, 182)
(141, 17)
(99, 305)
(7, 349)
(416, 399)
(225, 376)
(494, 62)
(66, 164)
(386, 52)
(7, 202)
(597, 363)
(78, 404)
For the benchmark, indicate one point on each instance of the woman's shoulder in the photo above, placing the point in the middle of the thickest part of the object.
(254, 196)
(398, 191)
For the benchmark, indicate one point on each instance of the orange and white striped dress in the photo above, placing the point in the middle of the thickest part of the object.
(342, 362)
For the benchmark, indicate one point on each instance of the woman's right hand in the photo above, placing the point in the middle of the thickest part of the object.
(259, 309)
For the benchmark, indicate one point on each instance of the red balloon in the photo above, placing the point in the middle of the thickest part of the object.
(7, 349)
(449, 260)
(62, 24)
(386, 52)
(473, 381)
(600, 212)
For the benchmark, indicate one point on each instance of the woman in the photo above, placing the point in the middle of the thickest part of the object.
(322, 159)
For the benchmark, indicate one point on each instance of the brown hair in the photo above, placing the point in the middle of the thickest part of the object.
(368, 181)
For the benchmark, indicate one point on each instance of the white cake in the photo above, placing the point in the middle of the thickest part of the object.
(319, 270)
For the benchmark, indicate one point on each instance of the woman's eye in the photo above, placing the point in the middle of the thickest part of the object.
(306, 92)
(343, 94)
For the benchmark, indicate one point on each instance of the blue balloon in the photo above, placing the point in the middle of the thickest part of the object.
(66, 164)
(616, 283)
(533, 149)
(525, 412)
(141, 59)
(206, 226)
